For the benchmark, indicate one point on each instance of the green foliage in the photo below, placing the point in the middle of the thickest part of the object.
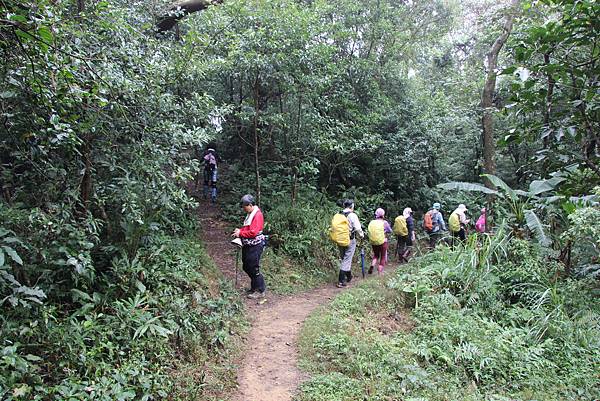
(106, 346)
(491, 321)
(553, 101)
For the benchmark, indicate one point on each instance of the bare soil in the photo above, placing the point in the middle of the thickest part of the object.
(268, 370)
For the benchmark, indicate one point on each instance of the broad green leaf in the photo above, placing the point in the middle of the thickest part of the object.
(13, 254)
(499, 183)
(467, 186)
(539, 186)
(535, 226)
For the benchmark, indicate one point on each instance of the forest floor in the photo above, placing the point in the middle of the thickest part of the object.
(268, 369)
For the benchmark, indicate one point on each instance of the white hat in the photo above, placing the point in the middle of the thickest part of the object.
(462, 207)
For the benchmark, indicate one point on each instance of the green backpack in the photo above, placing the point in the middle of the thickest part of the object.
(454, 223)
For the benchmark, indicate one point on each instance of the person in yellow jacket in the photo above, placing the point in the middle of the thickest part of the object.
(457, 224)
(378, 230)
(404, 229)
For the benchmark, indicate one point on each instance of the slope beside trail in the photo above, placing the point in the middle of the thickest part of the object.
(269, 368)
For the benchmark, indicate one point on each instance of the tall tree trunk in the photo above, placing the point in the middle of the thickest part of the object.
(487, 102)
(256, 139)
(549, 94)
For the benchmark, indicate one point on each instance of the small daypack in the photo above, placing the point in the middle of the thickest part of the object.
(376, 232)
(400, 227)
(340, 229)
(428, 221)
(454, 223)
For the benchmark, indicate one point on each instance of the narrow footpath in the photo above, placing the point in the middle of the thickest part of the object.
(269, 369)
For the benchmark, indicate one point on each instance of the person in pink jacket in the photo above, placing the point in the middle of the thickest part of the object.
(481, 222)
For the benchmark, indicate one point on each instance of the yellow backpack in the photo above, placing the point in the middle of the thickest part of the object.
(454, 223)
(376, 232)
(340, 229)
(400, 227)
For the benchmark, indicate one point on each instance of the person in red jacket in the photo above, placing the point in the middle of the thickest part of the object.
(253, 242)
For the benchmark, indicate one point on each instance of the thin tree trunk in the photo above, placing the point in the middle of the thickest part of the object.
(256, 142)
(487, 103)
(487, 122)
(549, 94)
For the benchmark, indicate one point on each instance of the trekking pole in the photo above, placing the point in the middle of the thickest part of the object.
(237, 262)
(362, 260)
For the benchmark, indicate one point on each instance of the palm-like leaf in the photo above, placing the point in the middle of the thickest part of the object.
(467, 186)
(535, 226)
(539, 186)
(499, 183)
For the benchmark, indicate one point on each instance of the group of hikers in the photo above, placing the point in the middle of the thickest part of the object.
(346, 228)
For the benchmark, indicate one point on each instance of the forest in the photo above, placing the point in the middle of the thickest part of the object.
(113, 285)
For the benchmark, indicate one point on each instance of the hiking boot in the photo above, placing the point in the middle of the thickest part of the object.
(256, 295)
(340, 285)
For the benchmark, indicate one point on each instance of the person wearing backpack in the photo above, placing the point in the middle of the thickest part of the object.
(378, 228)
(404, 229)
(481, 221)
(253, 243)
(345, 226)
(457, 224)
(210, 158)
(433, 224)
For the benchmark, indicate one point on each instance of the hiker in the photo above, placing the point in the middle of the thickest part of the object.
(345, 226)
(378, 228)
(433, 223)
(481, 221)
(253, 242)
(457, 223)
(210, 158)
(404, 229)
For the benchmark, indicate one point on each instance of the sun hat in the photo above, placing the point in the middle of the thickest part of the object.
(436, 205)
(379, 213)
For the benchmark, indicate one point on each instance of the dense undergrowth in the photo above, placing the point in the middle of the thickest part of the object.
(159, 325)
(489, 322)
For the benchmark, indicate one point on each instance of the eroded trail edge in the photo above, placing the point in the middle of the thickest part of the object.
(269, 368)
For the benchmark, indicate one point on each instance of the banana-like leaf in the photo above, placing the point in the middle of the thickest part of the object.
(497, 181)
(536, 187)
(535, 225)
(467, 186)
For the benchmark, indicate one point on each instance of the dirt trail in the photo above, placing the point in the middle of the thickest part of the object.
(269, 369)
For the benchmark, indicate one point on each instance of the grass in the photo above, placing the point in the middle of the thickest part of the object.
(453, 326)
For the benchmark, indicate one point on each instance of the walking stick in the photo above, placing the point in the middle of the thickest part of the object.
(237, 262)
(362, 261)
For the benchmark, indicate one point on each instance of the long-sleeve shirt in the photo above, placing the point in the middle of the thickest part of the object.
(410, 224)
(438, 222)
(355, 226)
(462, 217)
(255, 228)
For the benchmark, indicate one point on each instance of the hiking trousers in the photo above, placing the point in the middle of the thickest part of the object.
(346, 255)
(251, 265)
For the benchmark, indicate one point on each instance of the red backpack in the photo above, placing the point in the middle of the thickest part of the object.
(428, 221)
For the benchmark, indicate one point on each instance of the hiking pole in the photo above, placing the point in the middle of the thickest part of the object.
(237, 262)
(362, 260)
